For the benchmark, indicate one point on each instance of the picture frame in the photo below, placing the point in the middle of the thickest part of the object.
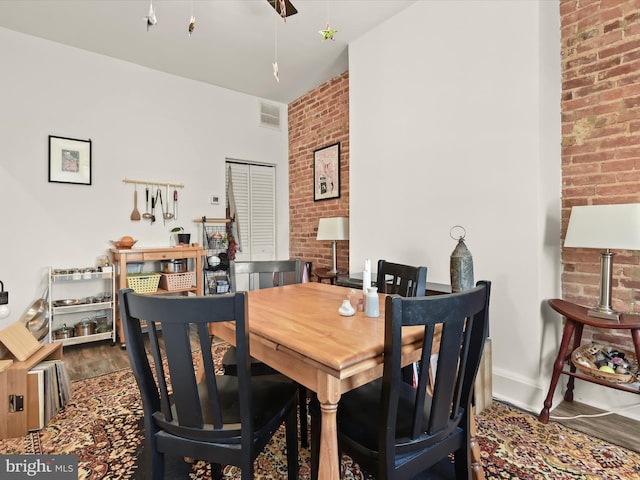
(326, 172)
(69, 160)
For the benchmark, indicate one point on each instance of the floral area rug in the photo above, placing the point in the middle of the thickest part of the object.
(103, 421)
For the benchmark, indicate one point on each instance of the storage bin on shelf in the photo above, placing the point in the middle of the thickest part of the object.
(177, 281)
(134, 267)
(143, 282)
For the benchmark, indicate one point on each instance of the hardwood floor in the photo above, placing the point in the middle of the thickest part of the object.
(93, 359)
(613, 428)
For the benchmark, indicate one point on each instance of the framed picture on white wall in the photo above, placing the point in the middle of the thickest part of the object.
(326, 172)
(69, 160)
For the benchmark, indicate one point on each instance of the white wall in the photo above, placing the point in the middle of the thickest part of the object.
(455, 120)
(144, 125)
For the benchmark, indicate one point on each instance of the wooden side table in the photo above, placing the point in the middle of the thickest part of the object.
(576, 317)
(323, 274)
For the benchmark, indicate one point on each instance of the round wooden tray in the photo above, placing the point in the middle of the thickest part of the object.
(584, 358)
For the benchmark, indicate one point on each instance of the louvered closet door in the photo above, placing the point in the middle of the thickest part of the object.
(254, 192)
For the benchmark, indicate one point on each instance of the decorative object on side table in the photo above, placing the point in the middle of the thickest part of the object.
(461, 268)
(333, 228)
(607, 362)
(69, 160)
(607, 227)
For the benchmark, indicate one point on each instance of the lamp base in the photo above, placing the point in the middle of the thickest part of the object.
(604, 312)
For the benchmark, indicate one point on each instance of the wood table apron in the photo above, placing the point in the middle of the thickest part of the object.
(576, 317)
(297, 330)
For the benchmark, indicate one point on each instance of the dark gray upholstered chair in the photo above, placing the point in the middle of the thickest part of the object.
(223, 419)
(265, 274)
(395, 431)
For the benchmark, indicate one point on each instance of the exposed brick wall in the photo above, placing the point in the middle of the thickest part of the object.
(318, 119)
(600, 138)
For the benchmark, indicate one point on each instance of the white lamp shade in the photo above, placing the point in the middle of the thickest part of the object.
(604, 226)
(333, 228)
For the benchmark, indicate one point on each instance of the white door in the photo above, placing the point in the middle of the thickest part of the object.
(255, 199)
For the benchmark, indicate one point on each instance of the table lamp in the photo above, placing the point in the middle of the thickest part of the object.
(333, 228)
(607, 227)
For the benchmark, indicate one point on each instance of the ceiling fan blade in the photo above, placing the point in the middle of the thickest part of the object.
(288, 6)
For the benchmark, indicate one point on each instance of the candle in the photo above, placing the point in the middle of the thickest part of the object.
(366, 276)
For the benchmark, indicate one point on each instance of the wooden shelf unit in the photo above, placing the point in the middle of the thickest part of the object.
(121, 257)
(13, 383)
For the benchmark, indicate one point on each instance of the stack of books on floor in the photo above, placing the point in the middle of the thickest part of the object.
(49, 390)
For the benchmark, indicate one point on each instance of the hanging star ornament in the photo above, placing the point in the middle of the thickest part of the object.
(192, 25)
(275, 71)
(151, 17)
(327, 33)
(283, 10)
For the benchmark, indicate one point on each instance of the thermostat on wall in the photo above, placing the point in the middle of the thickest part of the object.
(214, 199)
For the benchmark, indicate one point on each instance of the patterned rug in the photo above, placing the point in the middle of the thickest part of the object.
(102, 425)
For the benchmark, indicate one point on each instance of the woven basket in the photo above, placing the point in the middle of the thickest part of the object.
(177, 281)
(143, 282)
(584, 358)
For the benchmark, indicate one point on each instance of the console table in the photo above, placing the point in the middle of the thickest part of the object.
(121, 257)
(576, 317)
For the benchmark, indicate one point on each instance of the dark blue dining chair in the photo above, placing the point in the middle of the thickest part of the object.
(221, 419)
(396, 431)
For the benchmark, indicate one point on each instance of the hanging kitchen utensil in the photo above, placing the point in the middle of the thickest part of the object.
(146, 214)
(167, 215)
(161, 206)
(36, 316)
(175, 203)
(153, 208)
(135, 215)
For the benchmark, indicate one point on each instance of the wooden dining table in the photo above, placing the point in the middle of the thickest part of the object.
(297, 330)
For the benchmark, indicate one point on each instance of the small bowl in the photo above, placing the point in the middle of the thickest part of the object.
(120, 246)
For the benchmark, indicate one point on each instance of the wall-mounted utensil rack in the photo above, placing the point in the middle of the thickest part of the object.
(211, 220)
(161, 184)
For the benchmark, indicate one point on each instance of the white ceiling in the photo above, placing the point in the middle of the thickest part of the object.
(233, 44)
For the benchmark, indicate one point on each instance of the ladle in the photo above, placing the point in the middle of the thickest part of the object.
(146, 214)
(167, 215)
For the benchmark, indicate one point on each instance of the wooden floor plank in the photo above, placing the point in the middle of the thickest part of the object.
(612, 428)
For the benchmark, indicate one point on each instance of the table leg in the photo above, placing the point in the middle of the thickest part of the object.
(329, 468)
(577, 338)
(635, 336)
(569, 327)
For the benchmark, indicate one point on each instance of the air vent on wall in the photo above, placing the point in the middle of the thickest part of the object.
(269, 115)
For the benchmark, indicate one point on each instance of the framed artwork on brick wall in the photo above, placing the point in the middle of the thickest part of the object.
(326, 172)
